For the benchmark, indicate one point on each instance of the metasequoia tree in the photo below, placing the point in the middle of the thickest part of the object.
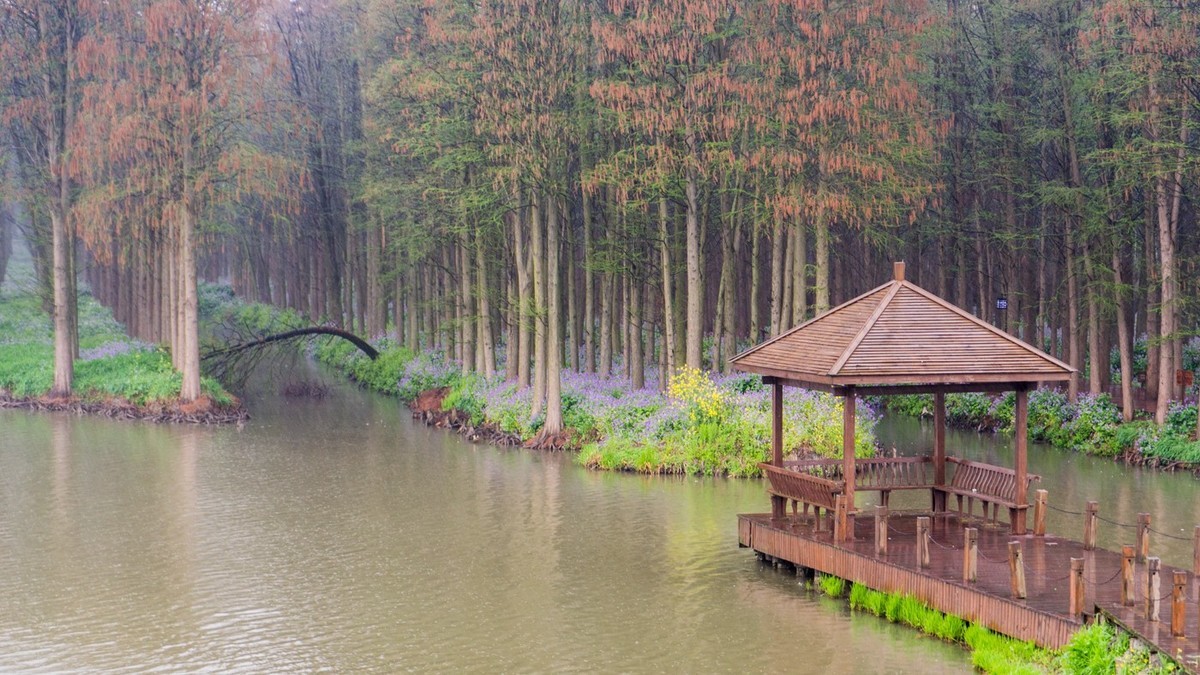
(39, 48)
(176, 80)
(847, 135)
(671, 83)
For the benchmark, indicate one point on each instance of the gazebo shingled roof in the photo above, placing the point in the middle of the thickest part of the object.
(898, 339)
(899, 334)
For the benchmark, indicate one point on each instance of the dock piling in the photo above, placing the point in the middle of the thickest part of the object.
(923, 540)
(1041, 497)
(1127, 576)
(1089, 525)
(1143, 537)
(1178, 609)
(970, 555)
(1016, 570)
(1153, 588)
(881, 531)
(1076, 595)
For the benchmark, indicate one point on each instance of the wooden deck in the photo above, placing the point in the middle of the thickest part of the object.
(1042, 617)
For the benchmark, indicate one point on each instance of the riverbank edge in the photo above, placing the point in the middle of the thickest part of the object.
(202, 411)
(1094, 645)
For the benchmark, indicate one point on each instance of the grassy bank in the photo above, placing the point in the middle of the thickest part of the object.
(113, 370)
(1099, 649)
(1091, 425)
(705, 424)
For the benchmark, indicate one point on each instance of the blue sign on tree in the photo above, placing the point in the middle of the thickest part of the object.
(1002, 302)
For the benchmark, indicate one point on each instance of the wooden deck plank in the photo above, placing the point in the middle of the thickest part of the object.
(1041, 617)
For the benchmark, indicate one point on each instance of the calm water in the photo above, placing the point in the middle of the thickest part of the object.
(337, 535)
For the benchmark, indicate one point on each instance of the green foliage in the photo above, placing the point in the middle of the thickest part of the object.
(832, 586)
(1000, 655)
(464, 398)
(913, 405)
(1090, 651)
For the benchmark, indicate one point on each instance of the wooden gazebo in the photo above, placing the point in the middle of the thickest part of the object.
(899, 339)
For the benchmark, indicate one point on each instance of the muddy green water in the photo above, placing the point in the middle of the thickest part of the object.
(338, 536)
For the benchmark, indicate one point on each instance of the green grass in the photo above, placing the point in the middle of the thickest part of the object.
(112, 367)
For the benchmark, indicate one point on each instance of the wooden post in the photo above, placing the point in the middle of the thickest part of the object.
(939, 450)
(970, 555)
(923, 540)
(1127, 575)
(1196, 550)
(1153, 588)
(1143, 537)
(1020, 463)
(778, 503)
(881, 531)
(1089, 525)
(840, 534)
(848, 446)
(1178, 609)
(1016, 569)
(1040, 499)
(1076, 595)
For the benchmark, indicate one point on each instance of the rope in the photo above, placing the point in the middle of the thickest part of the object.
(1101, 583)
(1113, 522)
(1073, 513)
(1170, 536)
(946, 547)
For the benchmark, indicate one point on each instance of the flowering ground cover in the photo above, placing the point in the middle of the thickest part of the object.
(704, 424)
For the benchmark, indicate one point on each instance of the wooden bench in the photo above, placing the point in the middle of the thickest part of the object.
(991, 485)
(877, 474)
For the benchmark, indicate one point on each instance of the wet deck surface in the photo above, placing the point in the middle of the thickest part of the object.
(1042, 616)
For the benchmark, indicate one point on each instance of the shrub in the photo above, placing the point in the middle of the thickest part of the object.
(832, 586)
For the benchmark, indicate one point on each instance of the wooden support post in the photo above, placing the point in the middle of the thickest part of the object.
(840, 535)
(1153, 588)
(939, 450)
(1178, 609)
(881, 531)
(1089, 525)
(970, 555)
(778, 504)
(1016, 569)
(848, 474)
(923, 540)
(1040, 499)
(1127, 575)
(1021, 461)
(1076, 595)
(1143, 537)
(1196, 551)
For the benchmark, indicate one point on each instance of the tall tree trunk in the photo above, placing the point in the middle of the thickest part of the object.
(553, 340)
(1124, 337)
(589, 290)
(821, 287)
(486, 342)
(524, 301)
(667, 294)
(1073, 356)
(537, 254)
(695, 287)
(800, 272)
(777, 275)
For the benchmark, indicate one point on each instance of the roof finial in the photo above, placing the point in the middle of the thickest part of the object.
(898, 269)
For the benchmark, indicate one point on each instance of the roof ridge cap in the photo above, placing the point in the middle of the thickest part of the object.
(867, 326)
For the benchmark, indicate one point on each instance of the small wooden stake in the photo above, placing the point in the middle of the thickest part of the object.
(1076, 596)
(1040, 498)
(1127, 575)
(1178, 609)
(1089, 526)
(1016, 569)
(923, 540)
(1143, 537)
(839, 520)
(881, 531)
(1153, 588)
(1196, 550)
(970, 555)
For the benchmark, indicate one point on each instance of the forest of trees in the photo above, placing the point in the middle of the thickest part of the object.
(610, 185)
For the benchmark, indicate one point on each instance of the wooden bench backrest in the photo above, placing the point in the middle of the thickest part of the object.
(877, 473)
(803, 487)
(986, 479)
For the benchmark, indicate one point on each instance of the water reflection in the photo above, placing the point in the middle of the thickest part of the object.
(337, 535)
